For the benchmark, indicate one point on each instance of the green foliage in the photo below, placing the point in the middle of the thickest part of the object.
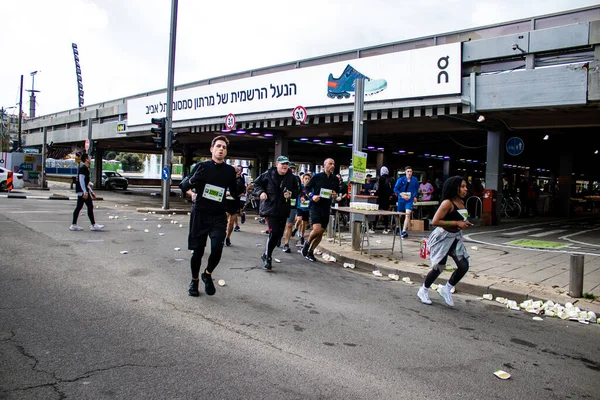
(131, 162)
(590, 296)
(111, 155)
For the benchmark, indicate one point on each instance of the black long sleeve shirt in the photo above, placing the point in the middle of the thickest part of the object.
(212, 180)
(322, 181)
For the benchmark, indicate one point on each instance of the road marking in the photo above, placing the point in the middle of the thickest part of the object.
(542, 234)
(537, 244)
(521, 232)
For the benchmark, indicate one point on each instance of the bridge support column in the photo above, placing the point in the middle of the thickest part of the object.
(494, 166)
(97, 172)
(446, 169)
(379, 162)
(565, 178)
(281, 146)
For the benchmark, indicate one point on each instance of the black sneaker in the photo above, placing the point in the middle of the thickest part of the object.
(311, 257)
(237, 228)
(227, 242)
(302, 241)
(266, 262)
(209, 286)
(294, 232)
(193, 291)
(304, 250)
(286, 248)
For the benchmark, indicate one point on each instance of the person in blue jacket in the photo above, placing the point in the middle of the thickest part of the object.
(407, 189)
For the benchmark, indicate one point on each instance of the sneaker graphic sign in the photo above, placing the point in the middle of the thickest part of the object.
(342, 87)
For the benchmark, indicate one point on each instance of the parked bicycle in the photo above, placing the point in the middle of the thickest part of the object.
(510, 207)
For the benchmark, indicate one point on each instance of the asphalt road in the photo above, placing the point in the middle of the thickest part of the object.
(80, 320)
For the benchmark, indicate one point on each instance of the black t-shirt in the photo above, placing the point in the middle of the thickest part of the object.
(322, 181)
(221, 178)
(85, 171)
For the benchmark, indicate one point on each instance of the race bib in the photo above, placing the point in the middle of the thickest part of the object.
(464, 213)
(304, 204)
(212, 192)
(325, 193)
(243, 198)
(406, 194)
(293, 202)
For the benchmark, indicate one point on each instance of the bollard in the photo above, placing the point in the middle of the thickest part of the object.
(576, 276)
(331, 227)
(356, 235)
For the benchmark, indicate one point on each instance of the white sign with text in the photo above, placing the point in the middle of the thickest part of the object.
(431, 71)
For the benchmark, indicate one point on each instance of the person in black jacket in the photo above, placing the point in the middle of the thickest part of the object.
(85, 194)
(322, 188)
(235, 205)
(385, 193)
(275, 188)
(212, 181)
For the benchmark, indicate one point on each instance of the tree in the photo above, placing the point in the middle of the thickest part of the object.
(130, 161)
(111, 155)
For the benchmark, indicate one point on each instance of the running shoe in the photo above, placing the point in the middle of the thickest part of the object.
(227, 242)
(423, 294)
(343, 86)
(304, 250)
(237, 228)
(286, 248)
(446, 294)
(209, 286)
(311, 256)
(75, 228)
(266, 262)
(404, 235)
(96, 227)
(193, 290)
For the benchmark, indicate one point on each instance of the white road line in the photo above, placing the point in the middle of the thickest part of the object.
(542, 234)
(521, 232)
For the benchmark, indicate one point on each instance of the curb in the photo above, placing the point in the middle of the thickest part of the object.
(53, 196)
(476, 286)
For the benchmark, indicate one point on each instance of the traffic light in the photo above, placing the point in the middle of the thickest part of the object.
(158, 131)
(174, 140)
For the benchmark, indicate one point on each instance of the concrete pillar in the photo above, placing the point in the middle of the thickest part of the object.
(281, 146)
(565, 178)
(379, 162)
(264, 164)
(494, 166)
(97, 172)
(446, 170)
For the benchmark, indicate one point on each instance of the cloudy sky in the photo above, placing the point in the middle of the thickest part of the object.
(123, 44)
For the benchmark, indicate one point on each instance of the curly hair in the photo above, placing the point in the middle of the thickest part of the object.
(451, 187)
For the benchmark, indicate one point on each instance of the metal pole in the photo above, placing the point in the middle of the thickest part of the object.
(43, 179)
(97, 163)
(576, 276)
(170, 88)
(19, 149)
(357, 132)
(1, 128)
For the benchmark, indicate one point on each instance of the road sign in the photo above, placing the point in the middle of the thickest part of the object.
(515, 146)
(87, 144)
(121, 128)
(230, 121)
(299, 114)
(165, 173)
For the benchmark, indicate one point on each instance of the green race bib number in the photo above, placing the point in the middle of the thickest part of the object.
(325, 193)
(406, 194)
(464, 213)
(293, 202)
(214, 193)
(304, 204)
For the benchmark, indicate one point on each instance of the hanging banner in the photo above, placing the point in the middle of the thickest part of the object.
(430, 71)
(359, 167)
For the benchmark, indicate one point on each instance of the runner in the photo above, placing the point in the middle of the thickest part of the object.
(293, 213)
(321, 188)
(447, 239)
(207, 188)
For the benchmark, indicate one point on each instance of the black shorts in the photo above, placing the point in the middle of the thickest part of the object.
(203, 226)
(233, 206)
(305, 214)
(318, 216)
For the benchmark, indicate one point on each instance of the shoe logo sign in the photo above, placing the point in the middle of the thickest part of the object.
(299, 114)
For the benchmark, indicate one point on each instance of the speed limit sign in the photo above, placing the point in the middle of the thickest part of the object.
(299, 114)
(230, 121)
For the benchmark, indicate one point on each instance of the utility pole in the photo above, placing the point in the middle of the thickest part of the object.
(19, 148)
(169, 117)
(32, 95)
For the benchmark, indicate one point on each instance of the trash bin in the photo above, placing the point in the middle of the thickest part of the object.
(489, 216)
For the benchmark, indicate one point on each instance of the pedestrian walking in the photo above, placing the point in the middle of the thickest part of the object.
(447, 239)
(235, 205)
(385, 192)
(275, 188)
(407, 189)
(211, 183)
(85, 195)
(291, 221)
(322, 188)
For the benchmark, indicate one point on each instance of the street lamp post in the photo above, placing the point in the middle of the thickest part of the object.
(32, 96)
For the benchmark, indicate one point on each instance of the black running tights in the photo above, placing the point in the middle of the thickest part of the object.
(90, 209)
(462, 266)
(216, 250)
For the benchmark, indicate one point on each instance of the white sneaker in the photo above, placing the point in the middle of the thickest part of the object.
(97, 227)
(385, 231)
(371, 231)
(446, 294)
(75, 228)
(423, 294)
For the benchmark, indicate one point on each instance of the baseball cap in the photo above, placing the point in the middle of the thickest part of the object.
(283, 160)
(292, 165)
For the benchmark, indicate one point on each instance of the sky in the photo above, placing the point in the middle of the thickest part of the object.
(124, 44)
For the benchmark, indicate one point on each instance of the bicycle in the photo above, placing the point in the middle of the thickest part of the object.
(510, 208)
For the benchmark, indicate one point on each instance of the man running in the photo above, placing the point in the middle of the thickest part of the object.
(407, 189)
(321, 189)
(208, 190)
(235, 205)
(291, 221)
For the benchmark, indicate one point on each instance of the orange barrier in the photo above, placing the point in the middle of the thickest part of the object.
(9, 181)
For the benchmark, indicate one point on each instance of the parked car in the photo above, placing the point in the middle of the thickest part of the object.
(17, 179)
(114, 180)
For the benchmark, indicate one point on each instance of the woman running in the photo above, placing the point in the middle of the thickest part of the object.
(447, 239)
